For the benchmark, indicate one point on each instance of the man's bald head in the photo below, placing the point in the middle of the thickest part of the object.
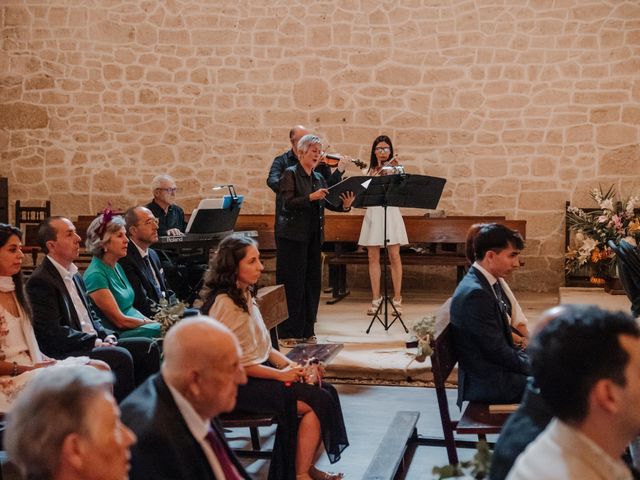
(202, 362)
(295, 134)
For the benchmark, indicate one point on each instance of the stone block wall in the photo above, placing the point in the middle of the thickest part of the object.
(520, 104)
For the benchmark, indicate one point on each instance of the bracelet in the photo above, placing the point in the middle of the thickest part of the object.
(14, 370)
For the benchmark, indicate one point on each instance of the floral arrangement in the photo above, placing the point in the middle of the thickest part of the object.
(167, 314)
(478, 467)
(612, 220)
(423, 331)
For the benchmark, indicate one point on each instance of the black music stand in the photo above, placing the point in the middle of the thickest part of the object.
(401, 190)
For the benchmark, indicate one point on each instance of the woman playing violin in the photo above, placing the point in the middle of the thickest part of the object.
(372, 233)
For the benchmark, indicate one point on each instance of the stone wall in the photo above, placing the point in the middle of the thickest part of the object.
(520, 104)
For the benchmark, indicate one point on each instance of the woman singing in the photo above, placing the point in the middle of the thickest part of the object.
(372, 233)
(308, 414)
(299, 233)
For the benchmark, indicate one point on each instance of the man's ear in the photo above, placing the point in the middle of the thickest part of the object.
(606, 395)
(73, 451)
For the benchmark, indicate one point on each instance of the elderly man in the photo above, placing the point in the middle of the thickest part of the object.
(173, 413)
(586, 363)
(65, 425)
(65, 324)
(170, 216)
(492, 368)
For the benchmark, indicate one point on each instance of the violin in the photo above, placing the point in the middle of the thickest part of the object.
(332, 160)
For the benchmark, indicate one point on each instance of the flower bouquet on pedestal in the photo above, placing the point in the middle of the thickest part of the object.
(612, 220)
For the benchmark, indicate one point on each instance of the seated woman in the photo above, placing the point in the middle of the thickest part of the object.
(276, 385)
(20, 357)
(106, 283)
(518, 320)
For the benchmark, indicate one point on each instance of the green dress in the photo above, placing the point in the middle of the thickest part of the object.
(100, 275)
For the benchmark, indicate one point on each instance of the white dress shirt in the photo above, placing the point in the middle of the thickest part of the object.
(563, 453)
(67, 277)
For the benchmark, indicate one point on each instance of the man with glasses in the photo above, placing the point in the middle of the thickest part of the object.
(142, 265)
(163, 206)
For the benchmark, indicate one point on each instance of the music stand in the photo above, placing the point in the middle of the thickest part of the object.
(215, 215)
(401, 190)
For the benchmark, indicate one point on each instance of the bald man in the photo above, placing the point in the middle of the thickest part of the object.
(173, 413)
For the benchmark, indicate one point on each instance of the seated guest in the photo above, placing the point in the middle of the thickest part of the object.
(106, 282)
(517, 318)
(163, 206)
(20, 356)
(173, 413)
(142, 265)
(276, 385)
(64, 321)
(586, 363)
(65, 425)
(492, 369)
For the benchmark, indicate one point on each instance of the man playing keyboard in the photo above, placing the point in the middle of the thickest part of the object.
(170, 216)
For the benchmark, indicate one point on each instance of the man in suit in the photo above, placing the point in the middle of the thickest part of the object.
(492, 368)
(142, 265)
(65, 324)
(65, 425)
(173, 413)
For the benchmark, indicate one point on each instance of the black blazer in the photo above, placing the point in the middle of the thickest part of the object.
(55, 319)
(491, 368)
(165, 450)
(141, 279)
(293, 221)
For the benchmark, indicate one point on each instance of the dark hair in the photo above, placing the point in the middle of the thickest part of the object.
(575, 350)
(495, 237)
(469, 251)
(222, 274)
(373, 162)
(47, 233)
(6, 232)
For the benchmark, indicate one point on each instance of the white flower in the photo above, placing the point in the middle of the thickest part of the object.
(631, 205)
(606, 204)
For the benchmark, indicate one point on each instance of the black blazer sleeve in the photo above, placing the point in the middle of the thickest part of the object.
(134, 275)
(52, 321)
(275, 172)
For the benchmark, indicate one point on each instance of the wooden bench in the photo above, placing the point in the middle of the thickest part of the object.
(476, 418)
(443, 239)
(392, 449)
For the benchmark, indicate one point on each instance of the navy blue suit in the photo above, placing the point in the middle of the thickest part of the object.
(142, 281)
(166, 449)
(491, 368)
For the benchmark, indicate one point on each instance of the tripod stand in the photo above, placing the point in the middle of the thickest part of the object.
(400, 190)
(386, 300)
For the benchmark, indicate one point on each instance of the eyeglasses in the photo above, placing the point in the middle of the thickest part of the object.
(383, 149)
(168, 190)
(152, 221)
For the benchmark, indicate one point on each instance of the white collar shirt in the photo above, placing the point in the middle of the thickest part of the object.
(67, 277)
(198, 428)
(562, 452)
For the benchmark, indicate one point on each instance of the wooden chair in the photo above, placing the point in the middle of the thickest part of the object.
(31, 217)
(476, 418)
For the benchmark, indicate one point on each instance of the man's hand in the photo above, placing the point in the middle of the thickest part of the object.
(174, 232)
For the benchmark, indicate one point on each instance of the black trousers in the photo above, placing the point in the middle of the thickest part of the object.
(146, 354)
(121, 363)
(298, 267)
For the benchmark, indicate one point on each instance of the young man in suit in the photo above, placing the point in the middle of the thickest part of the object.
(492, 368)
(142, 265)
(173, 413)
(65, 324)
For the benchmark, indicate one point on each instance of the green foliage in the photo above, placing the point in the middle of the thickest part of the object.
(477, 467)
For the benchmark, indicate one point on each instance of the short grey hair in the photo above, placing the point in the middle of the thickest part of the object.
(157, 181)
(95, 244)
(54, 404)
(306, 142)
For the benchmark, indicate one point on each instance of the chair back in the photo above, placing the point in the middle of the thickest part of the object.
(628, 260)
(444, 357)
(31, 217)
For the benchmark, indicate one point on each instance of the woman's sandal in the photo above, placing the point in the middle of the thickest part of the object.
(316, 474)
